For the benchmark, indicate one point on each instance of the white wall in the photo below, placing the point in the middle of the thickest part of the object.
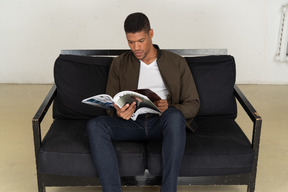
(32, 32)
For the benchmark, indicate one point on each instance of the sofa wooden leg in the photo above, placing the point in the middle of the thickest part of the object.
(251, 185)
(251, 188)
(41, 189)
(41, 186)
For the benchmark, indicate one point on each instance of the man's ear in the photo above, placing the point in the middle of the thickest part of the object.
(151, 33)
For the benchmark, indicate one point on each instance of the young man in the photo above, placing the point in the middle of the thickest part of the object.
(165, 73)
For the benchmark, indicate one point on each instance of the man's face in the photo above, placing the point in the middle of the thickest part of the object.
(140, 43)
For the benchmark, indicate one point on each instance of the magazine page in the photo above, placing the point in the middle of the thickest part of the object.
(102, 100)
(127, 97)
(143, 110)
(149, 93)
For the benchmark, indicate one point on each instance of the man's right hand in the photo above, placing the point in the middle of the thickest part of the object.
(126, 111)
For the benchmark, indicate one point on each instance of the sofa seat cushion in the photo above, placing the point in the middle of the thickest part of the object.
(218, 147)
(66, 151)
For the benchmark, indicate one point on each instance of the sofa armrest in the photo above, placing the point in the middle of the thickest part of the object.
(39, 116)
(257, 123)
(254, 116)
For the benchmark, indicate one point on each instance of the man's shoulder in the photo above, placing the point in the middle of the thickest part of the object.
(124, 60)
(125, 55)
(170, 55)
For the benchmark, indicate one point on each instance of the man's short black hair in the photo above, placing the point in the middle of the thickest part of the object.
(136, 22)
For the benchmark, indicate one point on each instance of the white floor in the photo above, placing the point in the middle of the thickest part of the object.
(18, 104)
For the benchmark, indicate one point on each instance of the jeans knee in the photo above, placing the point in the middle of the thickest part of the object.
(96, 125)
(174, 115)
(90, 125)
(174, 121)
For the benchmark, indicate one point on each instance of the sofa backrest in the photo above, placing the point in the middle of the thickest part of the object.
(215, 78)
(79, 77)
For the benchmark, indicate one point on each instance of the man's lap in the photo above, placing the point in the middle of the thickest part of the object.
(146, 126)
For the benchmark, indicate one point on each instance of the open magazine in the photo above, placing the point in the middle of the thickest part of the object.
(144, 99)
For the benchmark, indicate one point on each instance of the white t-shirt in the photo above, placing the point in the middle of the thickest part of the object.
(150, 78)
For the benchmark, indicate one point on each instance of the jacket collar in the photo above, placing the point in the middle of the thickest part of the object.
(159, 54)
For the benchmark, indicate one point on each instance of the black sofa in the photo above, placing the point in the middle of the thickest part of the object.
(218, 153)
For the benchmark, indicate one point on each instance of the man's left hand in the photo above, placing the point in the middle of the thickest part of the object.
(162, 105)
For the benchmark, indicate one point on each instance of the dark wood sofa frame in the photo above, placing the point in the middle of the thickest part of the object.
(46, 180)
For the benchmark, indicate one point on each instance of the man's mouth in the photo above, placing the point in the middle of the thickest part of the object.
(138, 53)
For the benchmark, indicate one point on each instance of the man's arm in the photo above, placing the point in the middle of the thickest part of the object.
(113, 81)
(189, 102)
(113, 87)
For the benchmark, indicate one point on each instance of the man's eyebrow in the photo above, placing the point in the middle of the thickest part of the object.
(137, 40)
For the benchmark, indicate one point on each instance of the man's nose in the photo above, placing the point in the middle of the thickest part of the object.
(137, 46)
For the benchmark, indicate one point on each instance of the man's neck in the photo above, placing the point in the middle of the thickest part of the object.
(151, 57)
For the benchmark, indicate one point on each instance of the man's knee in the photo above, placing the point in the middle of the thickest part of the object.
(174, 121)
(174, 114)
(92, 125)
(96, 125)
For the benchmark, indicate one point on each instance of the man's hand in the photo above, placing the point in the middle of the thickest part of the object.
(126, 111)
(162, 105)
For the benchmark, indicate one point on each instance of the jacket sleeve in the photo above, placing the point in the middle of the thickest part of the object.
(113, 85)
(189, 102)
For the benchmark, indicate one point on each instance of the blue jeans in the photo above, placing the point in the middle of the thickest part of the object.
(169, 127)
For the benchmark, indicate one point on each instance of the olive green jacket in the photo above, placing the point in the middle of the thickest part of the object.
(177, 77)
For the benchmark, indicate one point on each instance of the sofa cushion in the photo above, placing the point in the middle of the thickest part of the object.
(66, 151)
(214, 78)
(76, 78)
(218, 147)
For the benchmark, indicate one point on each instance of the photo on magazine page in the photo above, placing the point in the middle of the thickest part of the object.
(103, 100)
